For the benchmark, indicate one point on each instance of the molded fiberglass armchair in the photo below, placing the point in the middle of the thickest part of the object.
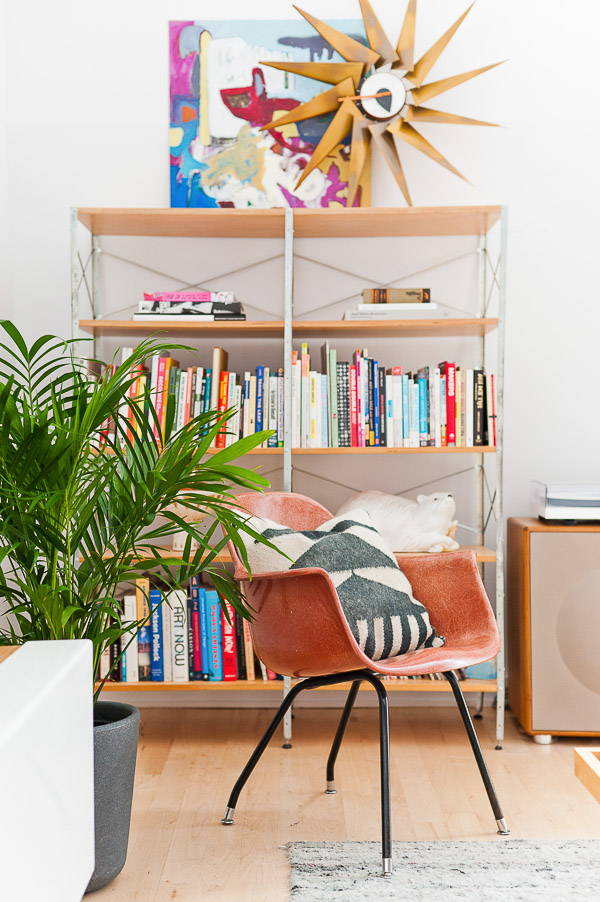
(300, 631)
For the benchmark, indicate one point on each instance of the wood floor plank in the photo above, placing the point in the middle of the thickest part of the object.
(189, 759)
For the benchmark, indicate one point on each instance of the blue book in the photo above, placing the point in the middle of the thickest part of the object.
(215, 636)
(260, 376)
(376, 403)
(423, 431)
(157, 672)
(207, 390)
(203, 632)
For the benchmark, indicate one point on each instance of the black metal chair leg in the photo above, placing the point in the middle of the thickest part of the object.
(256, 755)
(384, 762)
(483, 770)
(340, 735)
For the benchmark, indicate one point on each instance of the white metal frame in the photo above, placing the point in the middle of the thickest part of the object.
(491, 290)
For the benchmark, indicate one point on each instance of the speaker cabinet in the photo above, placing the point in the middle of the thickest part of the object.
(553, 614)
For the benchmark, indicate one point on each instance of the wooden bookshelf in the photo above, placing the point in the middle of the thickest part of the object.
(357, 222)
(420, 685)
(409, 328)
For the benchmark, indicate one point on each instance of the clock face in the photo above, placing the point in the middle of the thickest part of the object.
(382, 95)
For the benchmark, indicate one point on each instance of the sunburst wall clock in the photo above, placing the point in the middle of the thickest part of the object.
(378, 95)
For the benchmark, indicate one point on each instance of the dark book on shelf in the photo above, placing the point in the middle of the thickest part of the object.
(479, 408)
(343, 405)
(240, 647)
(383, 440)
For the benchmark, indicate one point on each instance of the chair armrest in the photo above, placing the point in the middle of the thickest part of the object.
(450, 587)
(299, 628)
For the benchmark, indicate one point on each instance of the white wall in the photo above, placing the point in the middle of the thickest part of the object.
(86, 124)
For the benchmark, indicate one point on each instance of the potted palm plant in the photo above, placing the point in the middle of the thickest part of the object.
(91, 484)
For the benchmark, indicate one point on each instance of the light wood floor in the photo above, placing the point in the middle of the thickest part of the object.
(189, 759)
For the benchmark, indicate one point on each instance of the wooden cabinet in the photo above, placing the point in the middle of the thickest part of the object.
(553, 594)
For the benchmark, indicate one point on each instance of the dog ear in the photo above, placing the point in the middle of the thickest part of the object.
(421, 499)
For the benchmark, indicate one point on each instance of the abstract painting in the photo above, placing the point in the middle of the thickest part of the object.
(223, 93)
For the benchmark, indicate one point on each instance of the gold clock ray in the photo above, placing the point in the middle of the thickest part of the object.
(377, 95)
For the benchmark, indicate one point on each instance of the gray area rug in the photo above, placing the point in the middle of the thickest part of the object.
(445, 871)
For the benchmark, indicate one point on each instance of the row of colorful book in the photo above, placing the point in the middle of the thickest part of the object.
(362, 404)
(187, 638)
(341, 405)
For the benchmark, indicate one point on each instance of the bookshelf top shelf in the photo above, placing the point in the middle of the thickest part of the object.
(411, 328)
(357, 222)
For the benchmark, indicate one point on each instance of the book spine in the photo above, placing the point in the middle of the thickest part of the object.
(325, 434)
(415, 413)
(353, 410)
(228, 644)
(181, 393)
(398, 407)
(159, 396)
(491, 410)
(381, 393)
(376, 403)
(231, 423)
(389, 411)
(265, 400)
(222, 407)
(249, 652)
(179, 637)
(479, 405)
(469, 409)
(272, 408)
(189, 390)
(423, 430)
(252, 407)
(157, 672)
(193, 370)
(359, 401)
(437, 408)
(344, 426)
(240, 647)
(104, 663)
(196, 667)
(130, 640)
(295, 400)
(462, 415)
(370, 403)
(305, 397)
(167, 642)
(406, 404)
(142, 590)
(260, 375)
(280, 407)
(166, 392)
(215, 649)
(334, 400)
(313, 409)
(207, 390)
(190, 640)
(116, 670)
(204, 651)
(237, 418)
(246, 416)
(443, 410)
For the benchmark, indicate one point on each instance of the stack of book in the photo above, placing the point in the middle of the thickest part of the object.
(346, 404)
(189, 306)
(395, 303)
(187, 638)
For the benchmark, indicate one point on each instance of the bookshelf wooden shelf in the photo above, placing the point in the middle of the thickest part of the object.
(421, 685)
(361, 223)
(367, 222)
(409, 328)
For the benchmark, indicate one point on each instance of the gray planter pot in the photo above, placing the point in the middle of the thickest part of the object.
(116, 728)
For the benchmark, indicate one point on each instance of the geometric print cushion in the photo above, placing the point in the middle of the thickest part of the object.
(376, 597)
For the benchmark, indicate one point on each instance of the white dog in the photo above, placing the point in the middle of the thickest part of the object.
(426, 524)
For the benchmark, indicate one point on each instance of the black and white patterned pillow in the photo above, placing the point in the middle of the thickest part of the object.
(385, 618)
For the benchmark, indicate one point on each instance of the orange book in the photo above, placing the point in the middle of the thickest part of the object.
(169, 362)
(223, 396)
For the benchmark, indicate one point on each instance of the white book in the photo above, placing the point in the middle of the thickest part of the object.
(238, 413)
(437, 406)
(312, 434)
(469, 411)
(181, 399)
(395, 311)
(295, 404)
(265, 401)
(252, 407)
(246, 414)
(165, 613)
(405, 411)
(491, 409)
(104, 663)
(273, 392)
(196, 411)
(397, 411)
(389, 412)
(130, 655)
(179, 637)
(325, 414)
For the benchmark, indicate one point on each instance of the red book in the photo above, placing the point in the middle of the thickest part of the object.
(271, 674)
(229, 655)
(353, 408)
(450, 370)
(223, 396)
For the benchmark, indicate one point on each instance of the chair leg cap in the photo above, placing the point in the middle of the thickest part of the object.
(227, 818)
(502, 828)
(331, 790)
(387, 867)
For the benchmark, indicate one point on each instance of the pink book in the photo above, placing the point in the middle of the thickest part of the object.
(158, 397)
(353, 418)
(188, 395)
(451, 403)
(360, 437)
(229, 657)
(187, 297)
